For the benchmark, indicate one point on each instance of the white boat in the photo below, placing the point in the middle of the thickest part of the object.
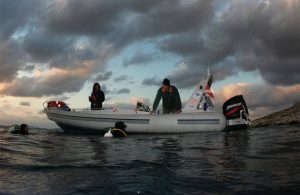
(196, 116)
(94, 121)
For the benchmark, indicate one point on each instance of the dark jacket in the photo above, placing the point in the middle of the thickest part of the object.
(100, 97)
(170, 99)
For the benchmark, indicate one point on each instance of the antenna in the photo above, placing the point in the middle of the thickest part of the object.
(208, 71)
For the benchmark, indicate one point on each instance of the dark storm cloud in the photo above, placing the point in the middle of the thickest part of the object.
(11, 60)
(104, 77)
(183, 77)
(232, 36)
(14, 15)
(127, 21)
(152, 81)
(123, 90)
(37, 87)
(89, 18)
(54, 28)
(246, 36)
(140, 58)
(121, 78)
(44, 46)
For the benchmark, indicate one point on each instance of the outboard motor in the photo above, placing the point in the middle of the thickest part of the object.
(236, 112)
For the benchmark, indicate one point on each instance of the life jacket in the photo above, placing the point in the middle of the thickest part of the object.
(164, 89)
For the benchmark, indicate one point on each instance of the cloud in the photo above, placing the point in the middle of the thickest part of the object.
(11, 60)
(70, 42)
(121, 78)
(15, 14)
(107, 19)
(245, 36)
(104, 77)
(52, 82)
(152, 81)
(140, 58)
(24, 103)
(122, 91)
(186, 76)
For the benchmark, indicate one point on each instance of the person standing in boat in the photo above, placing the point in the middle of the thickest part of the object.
(169, 94)
(97, 97)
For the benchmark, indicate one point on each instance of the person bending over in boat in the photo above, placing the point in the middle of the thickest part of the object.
(97, 97)
(169, 94)
(16, 129)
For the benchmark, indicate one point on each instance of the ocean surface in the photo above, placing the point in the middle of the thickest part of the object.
(255, 161)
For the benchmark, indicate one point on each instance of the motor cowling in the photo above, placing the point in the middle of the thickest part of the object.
(232, 107)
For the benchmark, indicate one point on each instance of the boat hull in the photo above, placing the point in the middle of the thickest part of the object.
(95, 121)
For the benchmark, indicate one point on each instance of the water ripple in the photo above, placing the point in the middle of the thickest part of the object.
(263, 160)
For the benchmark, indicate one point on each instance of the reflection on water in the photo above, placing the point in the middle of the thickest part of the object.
(252, 161)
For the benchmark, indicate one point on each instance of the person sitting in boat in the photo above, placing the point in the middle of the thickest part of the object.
(16, 129)
(97, 97)
(169, 94)
(118, 131)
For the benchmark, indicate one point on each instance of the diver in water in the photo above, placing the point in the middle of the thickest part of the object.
(22, 129)
(118, 131)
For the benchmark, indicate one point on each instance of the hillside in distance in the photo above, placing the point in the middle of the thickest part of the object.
(288, 116)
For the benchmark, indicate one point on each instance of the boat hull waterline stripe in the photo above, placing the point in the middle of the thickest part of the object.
(112, 120)
(198, 121)
(139, 121)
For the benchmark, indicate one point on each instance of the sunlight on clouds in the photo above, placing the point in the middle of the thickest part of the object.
(81, 72)
(287, 91)
(291, 3)
(2, 86)
(38, 73)
(290, 89)
(235, 89)
(6, 86)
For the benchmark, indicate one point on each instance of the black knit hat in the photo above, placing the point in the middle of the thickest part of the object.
(120, 125)
(166, 82)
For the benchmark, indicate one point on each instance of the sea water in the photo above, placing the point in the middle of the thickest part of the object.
(255, 161)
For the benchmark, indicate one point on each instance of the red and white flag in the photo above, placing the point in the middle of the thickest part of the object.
(207, 88)
(209, 92)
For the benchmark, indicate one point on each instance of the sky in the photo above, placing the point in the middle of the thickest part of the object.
(57, 50)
